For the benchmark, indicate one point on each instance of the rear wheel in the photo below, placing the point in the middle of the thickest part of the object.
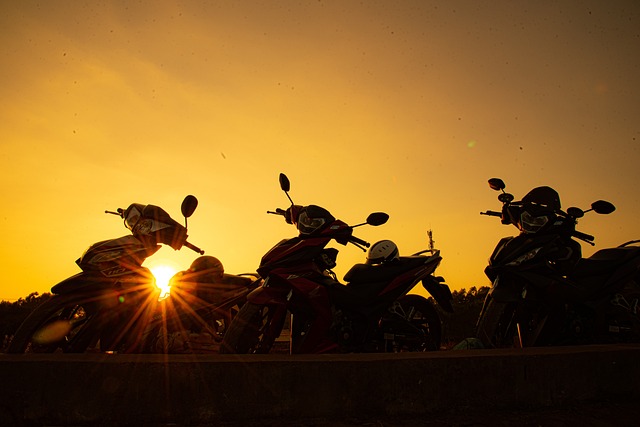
(425, 330)
(53, 327)
(251, 331)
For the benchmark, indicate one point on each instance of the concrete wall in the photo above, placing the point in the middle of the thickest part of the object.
(96, 389)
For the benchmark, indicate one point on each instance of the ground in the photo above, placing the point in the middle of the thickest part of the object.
(597, 414)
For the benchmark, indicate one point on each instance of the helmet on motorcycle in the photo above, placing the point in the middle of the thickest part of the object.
(313, 218)
(539, 207)
(207, 269)
(382, 252)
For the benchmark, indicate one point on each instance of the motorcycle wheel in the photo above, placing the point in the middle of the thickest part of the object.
(422, 315)
(53, 327)
(249, 331)
(623, 319)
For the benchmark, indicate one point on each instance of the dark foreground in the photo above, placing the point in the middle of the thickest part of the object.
(594, 414)
(585, 386)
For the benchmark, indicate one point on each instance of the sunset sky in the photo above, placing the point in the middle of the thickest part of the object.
(406, 107)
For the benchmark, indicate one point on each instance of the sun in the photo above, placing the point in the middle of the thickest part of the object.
(163, 274)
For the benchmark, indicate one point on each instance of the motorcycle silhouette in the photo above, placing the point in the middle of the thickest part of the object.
(112, 305)
(543, 292)
(371, 313)
(199, 308)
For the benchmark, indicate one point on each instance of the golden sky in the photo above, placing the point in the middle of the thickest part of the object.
(406, 107)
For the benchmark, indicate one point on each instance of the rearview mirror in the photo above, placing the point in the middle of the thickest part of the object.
(603, 207)
(377, 218)
(497, 184)
(189, 205)
(506, 198)
(285, 185)
(575, 212)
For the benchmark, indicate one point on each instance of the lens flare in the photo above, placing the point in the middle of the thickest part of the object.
(163, 274)
(53, 332)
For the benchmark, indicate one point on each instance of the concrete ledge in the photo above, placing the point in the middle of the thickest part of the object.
(92, 389)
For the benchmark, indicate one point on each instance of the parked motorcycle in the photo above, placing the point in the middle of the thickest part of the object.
(543, 292)
(372, 312)
(112, 305)
(195, 315)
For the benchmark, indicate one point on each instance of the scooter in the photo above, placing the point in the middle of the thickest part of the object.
(372, 312)
(543, 292)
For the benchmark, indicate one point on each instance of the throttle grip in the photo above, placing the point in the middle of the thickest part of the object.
(194, 248)
(360, 242)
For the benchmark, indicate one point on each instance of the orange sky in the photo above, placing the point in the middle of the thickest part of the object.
(406, 107)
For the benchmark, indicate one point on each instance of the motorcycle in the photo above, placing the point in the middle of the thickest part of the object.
(543, 292)
(199, 308)
(112, 304)
(372, 312)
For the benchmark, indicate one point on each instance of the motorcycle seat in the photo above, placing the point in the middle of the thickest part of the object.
(364, 274)
(603, 261)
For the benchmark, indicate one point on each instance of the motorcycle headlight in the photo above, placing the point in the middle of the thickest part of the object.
(132, 215)
(308, 224)
(532, 224)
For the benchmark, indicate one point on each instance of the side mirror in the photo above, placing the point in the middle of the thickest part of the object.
(285, 185)
(189, 205)
(377, 218)
(575, 212)
(497, 184)
(506, 198)
(603, 207)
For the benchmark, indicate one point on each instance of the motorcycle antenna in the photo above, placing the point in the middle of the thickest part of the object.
(431, 241)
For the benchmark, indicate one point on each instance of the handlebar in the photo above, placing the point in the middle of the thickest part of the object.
(278, 211)
(491, 213)
(360, 242)
(194, 248)
(583, 236)
(119, 212)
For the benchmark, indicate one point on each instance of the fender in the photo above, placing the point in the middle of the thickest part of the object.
(440, 292)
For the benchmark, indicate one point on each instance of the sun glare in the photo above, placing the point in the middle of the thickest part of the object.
(163, 274)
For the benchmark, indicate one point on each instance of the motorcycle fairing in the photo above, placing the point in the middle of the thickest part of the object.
(98, 291)
(511, 248)
(295, 252)
(81, 282)
(116, 257)
(515, 286)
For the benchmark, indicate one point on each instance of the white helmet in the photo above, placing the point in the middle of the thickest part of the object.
(382, 252)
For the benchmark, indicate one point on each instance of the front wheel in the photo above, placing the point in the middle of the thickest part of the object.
(252, 331)
(424, 331)
(53, 327)
(512, 324)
